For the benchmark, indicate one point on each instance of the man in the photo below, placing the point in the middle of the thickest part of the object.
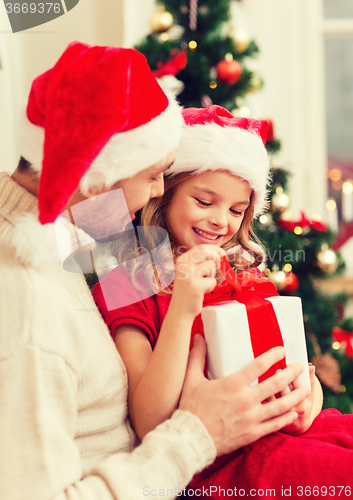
(98, 121)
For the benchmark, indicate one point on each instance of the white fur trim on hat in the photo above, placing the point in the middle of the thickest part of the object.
(123, 156)
(38, 245)
(211, 147)
(35, 244)
(128, 153)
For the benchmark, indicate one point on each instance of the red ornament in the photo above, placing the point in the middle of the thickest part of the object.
(291, 283)
(345, 339)
(228, 72)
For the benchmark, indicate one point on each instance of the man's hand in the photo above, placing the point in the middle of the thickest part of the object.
(230, 409)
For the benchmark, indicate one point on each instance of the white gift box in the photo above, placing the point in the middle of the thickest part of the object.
(228, 339)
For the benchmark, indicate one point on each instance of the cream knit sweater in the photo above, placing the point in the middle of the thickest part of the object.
(64, 427)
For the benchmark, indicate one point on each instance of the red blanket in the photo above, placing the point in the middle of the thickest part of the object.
(316, 464)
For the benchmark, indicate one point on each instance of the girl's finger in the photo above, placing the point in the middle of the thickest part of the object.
(204, 253)
(205, 269)
(285, 391)
(278, 382)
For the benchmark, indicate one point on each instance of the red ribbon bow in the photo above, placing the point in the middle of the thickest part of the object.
(251, 290)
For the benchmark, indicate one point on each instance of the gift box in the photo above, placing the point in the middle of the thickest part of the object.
(253, 321)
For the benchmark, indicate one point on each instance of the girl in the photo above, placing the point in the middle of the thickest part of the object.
(212, 192)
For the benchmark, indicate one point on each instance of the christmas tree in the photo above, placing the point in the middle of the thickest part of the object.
(197, 50)
(298, 256)
(200, 45)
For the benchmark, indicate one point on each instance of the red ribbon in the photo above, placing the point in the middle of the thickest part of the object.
(303, 222)
(251, 290)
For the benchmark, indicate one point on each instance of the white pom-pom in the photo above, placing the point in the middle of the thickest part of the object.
(35, 244)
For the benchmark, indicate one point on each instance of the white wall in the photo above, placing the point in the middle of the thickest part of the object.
(136, 20)
(291, 64)
(26, 54)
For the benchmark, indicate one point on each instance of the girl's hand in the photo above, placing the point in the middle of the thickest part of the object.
(306, 409)
(195, 272)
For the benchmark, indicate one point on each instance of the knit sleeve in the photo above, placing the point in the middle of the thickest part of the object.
(122, 302)
(38, 402)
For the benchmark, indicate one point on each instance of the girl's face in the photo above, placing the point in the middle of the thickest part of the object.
(208, 208)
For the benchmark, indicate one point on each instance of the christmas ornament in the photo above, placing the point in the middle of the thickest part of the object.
(206, 101)
(291, 283)
(327, 369)
(255, 83)
(345, 340)
(228, 70)
(193, 15)
(176, 32)
(340, 309)
(278, 278)
(280, 201)
(240, 38)
(204, 10)
(161, 20)
(327, 259)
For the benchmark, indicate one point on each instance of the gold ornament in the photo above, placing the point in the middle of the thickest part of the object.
(278, 278)
(241, 39)
(280, 201)
(255, 83)
(204, 10)
(161, 20)
(327, 259)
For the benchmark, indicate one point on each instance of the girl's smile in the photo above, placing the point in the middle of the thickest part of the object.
(208, 209)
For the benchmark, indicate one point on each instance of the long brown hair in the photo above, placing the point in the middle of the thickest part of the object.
(155, 214)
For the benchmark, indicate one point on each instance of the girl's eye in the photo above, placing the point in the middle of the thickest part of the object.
(235, 212)
(203, 203)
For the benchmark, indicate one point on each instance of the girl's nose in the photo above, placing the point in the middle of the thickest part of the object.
(219, 218)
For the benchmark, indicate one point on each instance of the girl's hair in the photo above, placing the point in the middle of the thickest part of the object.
(245, 244)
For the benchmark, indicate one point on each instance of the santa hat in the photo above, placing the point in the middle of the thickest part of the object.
(98, 116)
(212, 139)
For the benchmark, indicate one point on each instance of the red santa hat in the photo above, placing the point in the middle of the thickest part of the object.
(98, 116)
(212, 139)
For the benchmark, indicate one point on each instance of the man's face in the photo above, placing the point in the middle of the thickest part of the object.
(108, 212)
(140, 188)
